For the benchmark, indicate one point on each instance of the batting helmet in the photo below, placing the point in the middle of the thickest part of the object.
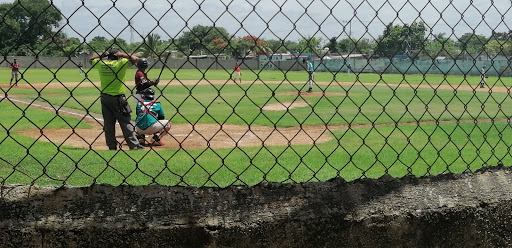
(142, 63)
(148, 94)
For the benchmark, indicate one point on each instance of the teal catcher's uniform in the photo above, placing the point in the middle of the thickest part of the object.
(148, 112)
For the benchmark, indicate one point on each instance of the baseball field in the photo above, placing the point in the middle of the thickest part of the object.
(265, 129)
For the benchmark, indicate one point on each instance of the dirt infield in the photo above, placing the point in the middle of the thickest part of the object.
(213, 135)
(192, 136)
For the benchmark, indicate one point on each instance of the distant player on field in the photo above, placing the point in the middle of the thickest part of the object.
(483, 76)
(311, 75)
(238, 73)
(81, 68)
(151, 119)
(15, 67)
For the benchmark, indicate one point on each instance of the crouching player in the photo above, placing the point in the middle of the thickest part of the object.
(151, 119)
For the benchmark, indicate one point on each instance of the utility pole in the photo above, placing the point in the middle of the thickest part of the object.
(349, 22)
(131, 30)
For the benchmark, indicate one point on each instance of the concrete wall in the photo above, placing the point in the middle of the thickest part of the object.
(46, 62)
(398, 66)
(466, 210)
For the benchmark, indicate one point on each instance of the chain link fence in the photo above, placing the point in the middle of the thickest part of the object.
(254, 91)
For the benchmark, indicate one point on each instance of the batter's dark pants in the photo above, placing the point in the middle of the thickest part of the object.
(112, 110)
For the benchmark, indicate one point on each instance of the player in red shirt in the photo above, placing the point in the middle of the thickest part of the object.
(14, 72)
(141, 80)
(238, 73)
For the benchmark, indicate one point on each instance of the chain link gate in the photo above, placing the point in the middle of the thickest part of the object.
(397, 88)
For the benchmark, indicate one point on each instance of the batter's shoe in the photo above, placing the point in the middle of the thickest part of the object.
(141, 138)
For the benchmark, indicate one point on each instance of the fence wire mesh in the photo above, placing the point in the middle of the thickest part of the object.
(256, 91)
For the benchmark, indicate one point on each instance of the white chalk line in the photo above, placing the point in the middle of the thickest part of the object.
(88, 116)
(57, 109)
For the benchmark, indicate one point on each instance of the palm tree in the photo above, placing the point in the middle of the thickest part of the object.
(152, 46)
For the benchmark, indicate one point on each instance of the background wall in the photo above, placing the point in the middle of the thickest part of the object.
(398, 66)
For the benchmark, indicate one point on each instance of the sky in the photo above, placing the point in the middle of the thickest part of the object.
(279, 19)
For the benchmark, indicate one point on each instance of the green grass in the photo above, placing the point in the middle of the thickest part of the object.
(72, 75)
(418, 150)
(242, 104)
(366, 153)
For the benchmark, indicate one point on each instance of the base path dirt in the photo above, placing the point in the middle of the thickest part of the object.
(54, 85)
(192, 136)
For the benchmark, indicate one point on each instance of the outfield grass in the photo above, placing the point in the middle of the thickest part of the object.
(425, 149)
(72, 75)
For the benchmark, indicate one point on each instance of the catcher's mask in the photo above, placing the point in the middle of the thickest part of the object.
(148, 94)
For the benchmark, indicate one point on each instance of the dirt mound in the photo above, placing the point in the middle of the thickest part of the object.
(282, 106)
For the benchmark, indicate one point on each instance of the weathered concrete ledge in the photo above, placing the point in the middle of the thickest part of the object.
(466, 210)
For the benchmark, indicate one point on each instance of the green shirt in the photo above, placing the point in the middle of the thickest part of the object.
(310, 66)
(148, 112)
(112, 75)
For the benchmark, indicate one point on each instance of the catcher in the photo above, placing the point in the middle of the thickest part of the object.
(151, 119)
(141, 80)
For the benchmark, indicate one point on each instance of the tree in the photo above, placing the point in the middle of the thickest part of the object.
(59, 45)
(277, 46)
(333, 45)
(345, 45)
(441, 46)
(398, 39)
(72, 46)
(291, 46)
(237, 48)
(133, 47)
(472, 43)
(98, 44)
(497, 47)
(256, 44)
(152, 46)
(24, 23)
(501, 36)
(121, 44)
(352, 46)
(310, 45)
(217, 45)
(199, 37)
(500, 43)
